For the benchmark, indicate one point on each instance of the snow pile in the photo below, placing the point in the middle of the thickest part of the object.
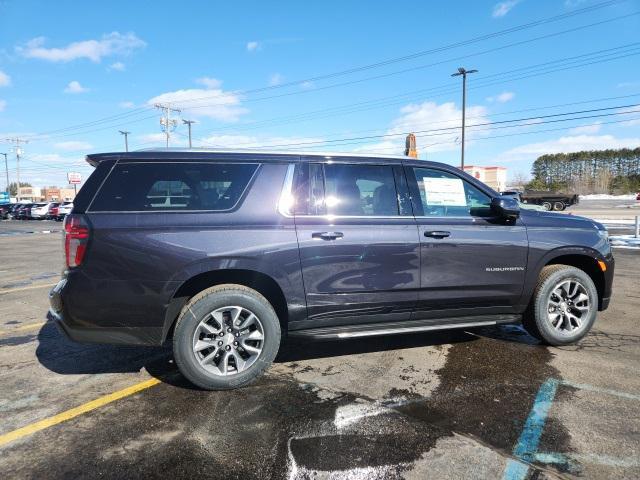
(625, 241)
(604, 196)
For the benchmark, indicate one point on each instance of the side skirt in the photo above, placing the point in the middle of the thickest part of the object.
(409, 326)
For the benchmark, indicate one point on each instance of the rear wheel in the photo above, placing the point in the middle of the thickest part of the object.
(564, 305)
(559, 206)
(226, 337)
(547, 205)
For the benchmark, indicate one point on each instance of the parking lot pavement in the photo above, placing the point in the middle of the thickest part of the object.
(487, 403)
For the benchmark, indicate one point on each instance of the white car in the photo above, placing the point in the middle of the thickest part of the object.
(64, 209)
(40, 211)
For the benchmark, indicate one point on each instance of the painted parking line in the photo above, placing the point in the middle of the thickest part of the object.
(32, 287)
(75, 412)
(530, 436)
(24, 328)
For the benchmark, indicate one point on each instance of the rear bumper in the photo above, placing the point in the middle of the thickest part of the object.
(83, 331)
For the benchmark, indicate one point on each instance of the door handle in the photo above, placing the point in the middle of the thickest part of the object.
(327, 235)
(437, 234)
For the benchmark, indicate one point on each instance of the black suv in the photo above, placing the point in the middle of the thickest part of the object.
(224, 253)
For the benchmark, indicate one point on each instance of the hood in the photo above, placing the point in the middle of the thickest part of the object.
(533, 217)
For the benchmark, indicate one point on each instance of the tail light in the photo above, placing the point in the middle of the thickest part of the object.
(76, 237)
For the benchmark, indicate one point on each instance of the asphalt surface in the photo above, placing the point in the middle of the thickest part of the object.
(487, 403)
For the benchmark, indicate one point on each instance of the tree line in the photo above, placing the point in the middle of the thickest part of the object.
(596, 171)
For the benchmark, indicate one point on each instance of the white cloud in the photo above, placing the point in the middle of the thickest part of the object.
(209, 82)
(212, 102)
(429, 116)
(503, 97)
(126, 105)
(275, 79)
(253, 46)
(502, 8)
(110, 44)
(117, 66)
(3, 104)
(586, 129)
(628, 85)
(5, 80)
(75, 87)
(73, 146)
(307, 85)
(160, 138)
(567, 144)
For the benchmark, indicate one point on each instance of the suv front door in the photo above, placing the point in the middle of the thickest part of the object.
(358, 241)
(472, 263)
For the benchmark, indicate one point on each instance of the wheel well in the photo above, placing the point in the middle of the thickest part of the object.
(587, 264)
(263, 284)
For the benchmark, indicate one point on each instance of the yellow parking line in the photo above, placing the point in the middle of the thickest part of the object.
(29, 326)
(26, 288)
(77, 411)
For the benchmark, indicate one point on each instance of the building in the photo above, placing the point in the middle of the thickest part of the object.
(29, 194)
(55, 194)
(495, 177)
(47, 194)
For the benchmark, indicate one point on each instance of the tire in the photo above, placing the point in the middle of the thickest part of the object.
(547, 205)
(559, 206)
(218, 367)
(545, 318)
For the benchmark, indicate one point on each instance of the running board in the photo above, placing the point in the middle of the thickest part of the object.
(409, 326)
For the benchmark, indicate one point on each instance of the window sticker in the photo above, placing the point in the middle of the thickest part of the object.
(446, 192)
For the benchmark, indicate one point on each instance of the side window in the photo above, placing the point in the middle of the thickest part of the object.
(360, 190)
(444, 194)
(140, 187)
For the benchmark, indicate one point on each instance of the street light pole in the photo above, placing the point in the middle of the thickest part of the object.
(6, 170)
(126, 140)
(188, 124)
(463, 72)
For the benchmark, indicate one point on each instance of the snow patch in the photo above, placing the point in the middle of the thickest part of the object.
(626, 241)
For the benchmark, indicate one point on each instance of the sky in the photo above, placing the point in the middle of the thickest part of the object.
(553, 76)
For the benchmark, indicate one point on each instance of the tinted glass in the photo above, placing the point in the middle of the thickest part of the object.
(444, 194)
(139, 187)
(360, 190)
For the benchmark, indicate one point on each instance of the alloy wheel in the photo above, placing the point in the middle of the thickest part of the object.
(228, 340)
(568, 306)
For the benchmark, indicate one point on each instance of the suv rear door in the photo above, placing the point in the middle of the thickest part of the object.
(359, 245)
(472, 263)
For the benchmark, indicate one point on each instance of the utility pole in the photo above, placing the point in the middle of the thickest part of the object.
(168, 124)
(126, 140)
(6, 171)
(188, 124)
(464, 73)
(18, 151)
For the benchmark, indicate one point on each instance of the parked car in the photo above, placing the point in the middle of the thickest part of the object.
(5, 209)
(13, 209)
(64, 209)
(225, 253)
(23, 212)
(53, 211)
(40, 211)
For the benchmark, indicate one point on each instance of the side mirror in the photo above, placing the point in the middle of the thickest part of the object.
(505, 207)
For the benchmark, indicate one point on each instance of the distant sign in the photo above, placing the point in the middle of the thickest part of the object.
(74, 178)
(4, 196)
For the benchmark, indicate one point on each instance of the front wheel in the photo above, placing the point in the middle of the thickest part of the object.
(226, 337)
(564, 305)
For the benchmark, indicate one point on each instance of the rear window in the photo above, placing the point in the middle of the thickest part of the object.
(149, 187)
